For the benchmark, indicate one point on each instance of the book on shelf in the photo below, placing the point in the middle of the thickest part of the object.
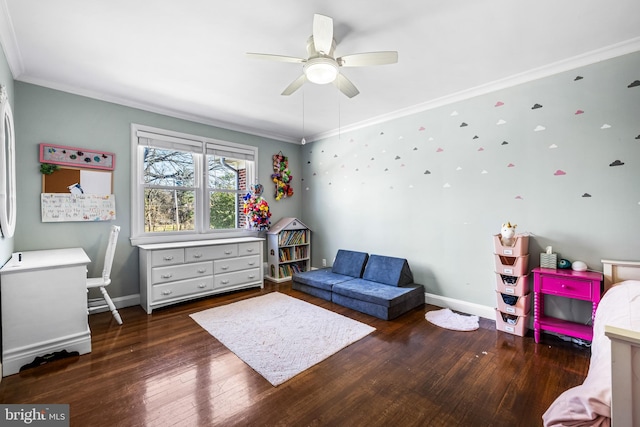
(287, 270)
(292, 237)
(284, 254)
(301, 252)
(291, 254)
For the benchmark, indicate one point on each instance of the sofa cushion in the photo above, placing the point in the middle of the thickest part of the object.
(388, 270)
(349, 263)
(376, 293)
(323, 278)
(312, 290)
(386, 313)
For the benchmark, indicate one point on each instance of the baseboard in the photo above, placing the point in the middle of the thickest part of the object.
(438, 300)
(119, 302)
(15, 358)
(461, 306)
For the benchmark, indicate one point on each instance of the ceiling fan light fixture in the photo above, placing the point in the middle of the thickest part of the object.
(321, 70)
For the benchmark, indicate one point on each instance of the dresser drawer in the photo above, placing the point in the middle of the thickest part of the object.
(182, 288)
(565, 287)
(206, 253)
(236, 278)
(249, 248)
(180, 272)
(167, 257)
(235, 264)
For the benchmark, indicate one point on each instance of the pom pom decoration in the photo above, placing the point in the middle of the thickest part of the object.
(256, 210)
(257, 190)
(281, 176)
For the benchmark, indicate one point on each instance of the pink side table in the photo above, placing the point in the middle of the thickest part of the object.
(582, 285)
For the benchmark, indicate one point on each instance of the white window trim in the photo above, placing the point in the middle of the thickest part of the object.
(138, 236)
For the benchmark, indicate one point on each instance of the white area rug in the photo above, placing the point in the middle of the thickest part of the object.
(280, 336)
(446, 318)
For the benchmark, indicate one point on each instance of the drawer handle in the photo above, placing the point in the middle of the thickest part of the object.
(224, 282)
(228, 252)
(168, 258)
(250, 250)
(252, 263)
(167, 292)
(225, 267)
(202, 270)
(252, 276)
(202, 286)
(197, 255)
(167, 276)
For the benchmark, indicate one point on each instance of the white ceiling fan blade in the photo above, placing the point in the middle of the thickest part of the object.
(345, 86)
(370, 58)
(322, 33)
(295, 85)
(279, 58)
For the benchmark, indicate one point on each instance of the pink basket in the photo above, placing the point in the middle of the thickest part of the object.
(520, 246)
(516, 325)
(512, 285)
(513, 304)
(513, 266)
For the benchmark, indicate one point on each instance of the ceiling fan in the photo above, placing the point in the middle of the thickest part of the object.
(321, 66)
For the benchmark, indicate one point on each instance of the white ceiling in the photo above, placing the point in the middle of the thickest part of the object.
(187, 58)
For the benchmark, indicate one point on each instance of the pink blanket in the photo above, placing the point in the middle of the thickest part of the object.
(589, 404)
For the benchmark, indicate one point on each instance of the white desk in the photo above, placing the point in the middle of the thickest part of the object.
(44, 306)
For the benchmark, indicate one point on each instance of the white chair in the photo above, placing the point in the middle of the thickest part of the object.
(105, 280)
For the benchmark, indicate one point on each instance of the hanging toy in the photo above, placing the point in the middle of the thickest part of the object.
(281, 176)
(256, 209)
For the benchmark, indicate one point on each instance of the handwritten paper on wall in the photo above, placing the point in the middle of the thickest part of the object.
(59, 207)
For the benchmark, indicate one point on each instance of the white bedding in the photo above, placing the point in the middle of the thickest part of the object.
(589, 404)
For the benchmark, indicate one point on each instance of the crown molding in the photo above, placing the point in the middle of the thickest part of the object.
(592, 57)
(158, 110)
(8, 41)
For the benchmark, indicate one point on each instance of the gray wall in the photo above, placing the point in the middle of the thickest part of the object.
(424, 187)
(6, 79)
(435, 186)
(46, 115)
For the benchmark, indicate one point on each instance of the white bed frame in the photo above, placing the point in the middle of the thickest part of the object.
(625, 353)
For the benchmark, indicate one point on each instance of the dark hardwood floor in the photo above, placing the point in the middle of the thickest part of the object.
(163, 369)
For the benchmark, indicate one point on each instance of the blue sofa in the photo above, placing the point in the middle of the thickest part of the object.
(348, 265)
(378, 285)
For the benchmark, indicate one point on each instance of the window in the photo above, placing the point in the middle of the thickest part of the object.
(187, 187)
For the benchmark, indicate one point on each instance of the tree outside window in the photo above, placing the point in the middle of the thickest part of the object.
(169, 177)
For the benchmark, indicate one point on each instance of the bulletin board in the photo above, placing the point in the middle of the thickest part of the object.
(91, 200)
(91, 181)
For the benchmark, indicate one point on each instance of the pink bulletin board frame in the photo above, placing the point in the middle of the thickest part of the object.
(77, 157)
